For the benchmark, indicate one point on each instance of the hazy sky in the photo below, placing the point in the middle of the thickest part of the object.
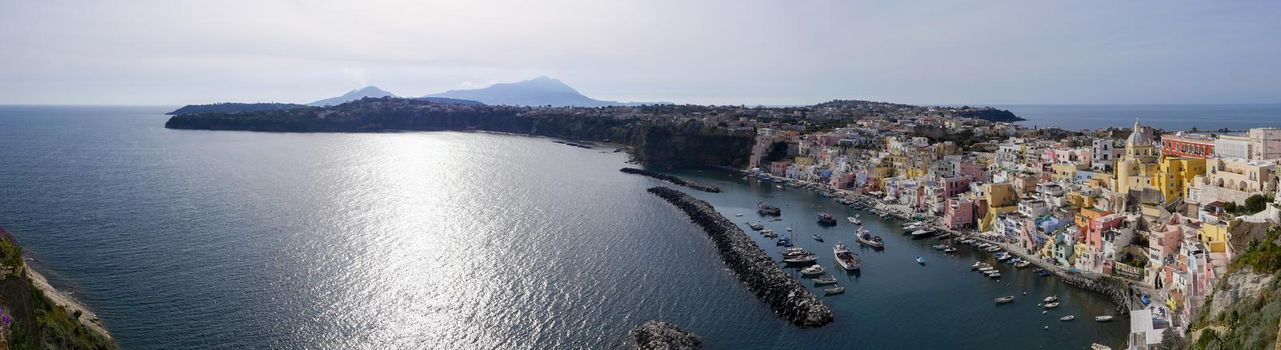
(722, 52)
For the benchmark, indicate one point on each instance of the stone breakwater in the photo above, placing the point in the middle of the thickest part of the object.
(672, 179)
(786, 295)
(659, 335)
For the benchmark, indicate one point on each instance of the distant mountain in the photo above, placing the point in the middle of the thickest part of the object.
(231, 107)
(540, 91)
(368, 91)
(451, 101)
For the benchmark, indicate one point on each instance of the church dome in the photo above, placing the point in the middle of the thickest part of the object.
(1140, 137)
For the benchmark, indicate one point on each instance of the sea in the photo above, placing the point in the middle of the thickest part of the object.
(1170, 117)
(184, 239)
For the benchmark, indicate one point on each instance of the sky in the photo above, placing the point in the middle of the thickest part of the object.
(704, 52)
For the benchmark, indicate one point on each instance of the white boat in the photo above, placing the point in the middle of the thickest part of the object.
(920, 260)
(1104, 318)
(789, 229)
(756, 226)
(801, 259)
(1023, 264)
(921, 233)
(848, 260)
(1097, 346)
(1067, 318)
(950, 250)
(854, 220)
(1005, 299)
(871, 241)
(1052, 298)
(825, 281)
(739, 214)
(834, 290)
(1052, 305)
(813, 270)
(769, 233)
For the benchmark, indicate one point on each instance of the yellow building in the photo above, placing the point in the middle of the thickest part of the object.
(1063, 171)
(1215, 236)
(804, 161)
(1176, 174)
(1001, 199)
(1139, 165)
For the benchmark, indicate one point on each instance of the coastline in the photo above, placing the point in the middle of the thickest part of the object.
(88, 318)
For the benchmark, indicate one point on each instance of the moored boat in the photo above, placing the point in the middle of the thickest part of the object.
(813, 270)
(1052, 305)
(848, 260)
(823, 281)
(756, 226)
(764, 208)
(1051, 299)
(921, 233)
(854, 220)
(1005, 299)
(1103, 318)
(1067, 318)
(834, 290)
(1097, 346)
(1022, 264)
(817, 237)
(920, 260)
(871, 241)
(826, 219)
(801, 259)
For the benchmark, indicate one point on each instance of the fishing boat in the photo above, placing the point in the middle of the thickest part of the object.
(834, 290)
(826, 219)
(920, 260)
(1005, 299)
(756, 226)
(1067, 318)
(1052, 305)
(871, 241)
(823, 281)
(764, 208)
(848, 260)
(817, 237)
(813, 270)
(1104, 318)
(1051, 299)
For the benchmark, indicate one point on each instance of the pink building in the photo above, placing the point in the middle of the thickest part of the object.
(955, 185)
(958, 213)
(975, 172)
(778, 168)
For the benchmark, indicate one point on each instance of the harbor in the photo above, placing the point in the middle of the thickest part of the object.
(893, 275)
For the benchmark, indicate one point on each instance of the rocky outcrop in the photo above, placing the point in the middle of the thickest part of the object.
(659, 335)
(672, 179)
(786, 295)
(1237, 287)
(1113, 289)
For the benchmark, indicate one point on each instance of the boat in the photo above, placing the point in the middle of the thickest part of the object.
(834, 290)
(871, 241)
(795, 252)
(826, 219)
(769, 233)
(1052, 298)
(1002, 256)
(1097, 346)
(1044, 273)
(1104, 318)
(1023, 264)
(801, 259)
(738, 215)
(940, 246)
(986, 268)
(776, 219)
(921, 233)
(764, 208)
(817, 237)
(977, 265)
(786, 242)
(950, 250)
(789, 229)
(848, 260)
(1005, 299)
(920, 260)
(853, 220)
(823, 281)
(1067, 318)
(813, 270)
(913, 226)
(756, 226)
(994, 275)
(1052, 305)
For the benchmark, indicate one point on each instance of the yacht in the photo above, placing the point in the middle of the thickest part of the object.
(1005, 299)
(921, 233)
(1067, 318)
(823, 281)
(1104, 318)
(801, 259)
(1052, 298)
(813, 270)
(854, 220)
(845, 258)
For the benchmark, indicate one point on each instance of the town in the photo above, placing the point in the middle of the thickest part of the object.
(1157, 210)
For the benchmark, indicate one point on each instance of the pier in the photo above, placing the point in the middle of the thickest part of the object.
(789, 298)
(672, 179)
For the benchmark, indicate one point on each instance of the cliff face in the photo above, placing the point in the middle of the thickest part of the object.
(30, 319)
(1244, 311)
(662, 145)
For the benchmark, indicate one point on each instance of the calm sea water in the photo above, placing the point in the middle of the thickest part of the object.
(205, 239)
(1168, 117)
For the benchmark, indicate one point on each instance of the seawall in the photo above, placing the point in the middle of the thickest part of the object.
(790, 299)
(672, 179)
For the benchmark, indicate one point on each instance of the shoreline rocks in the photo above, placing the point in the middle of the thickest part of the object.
(790, 299)
(672, 179)
(659, 335)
